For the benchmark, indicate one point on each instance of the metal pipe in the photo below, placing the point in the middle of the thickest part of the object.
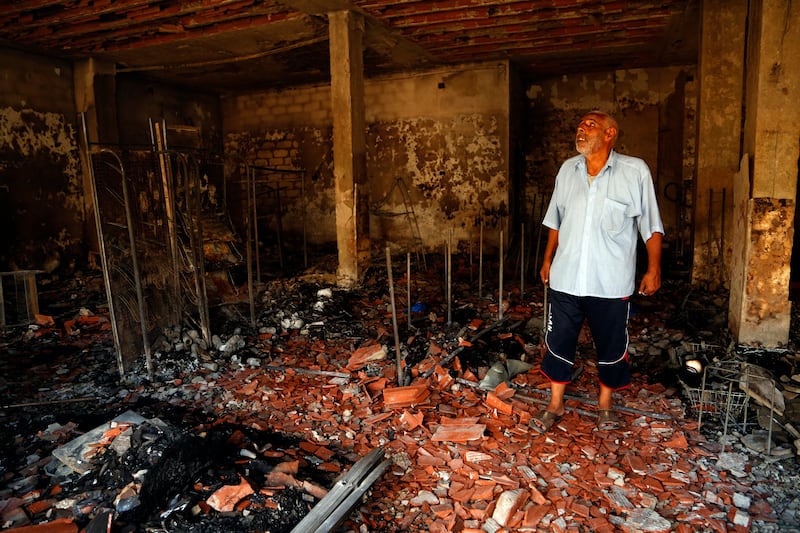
(249, 253)
(400, 377)
(539, 231)
(251, 190)
(408, 286)
(522, 260)
(709, 229)
(471, 274)
(591, 401)
(480, 261)
(303, 202)
(722, 238)
(500, 295)
(449, 264)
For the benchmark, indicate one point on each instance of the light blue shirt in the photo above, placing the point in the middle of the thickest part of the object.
(598, 224)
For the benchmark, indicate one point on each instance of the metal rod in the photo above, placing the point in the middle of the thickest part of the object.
(480, 261)
(303, 198)
(449, 265)
(722, 237)
(279, 224)
(500, 293)
(471, 273)
(400, 377)
(771, 416)
(408, 286)
(50, 402)
(710, 223)
(591, 401)
(254, 205)
(700, 401)
(136, 275)
(522, 260)
(727, 413)
(249, 254)
(2, 305)
(157, 132)
(193, 203)
(538, 231)
(103, 252)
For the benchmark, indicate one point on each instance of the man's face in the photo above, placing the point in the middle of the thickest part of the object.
(591, 136)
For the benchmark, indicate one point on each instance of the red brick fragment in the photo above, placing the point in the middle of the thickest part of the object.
(398, 397)
(457, 433)
(226, 497)
(365, 355)
(534, 515)
(496, 403)
(679, 442)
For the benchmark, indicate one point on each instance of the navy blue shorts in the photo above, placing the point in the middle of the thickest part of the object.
(608, 323)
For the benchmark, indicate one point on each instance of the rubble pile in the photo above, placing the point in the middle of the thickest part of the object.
(251, 430)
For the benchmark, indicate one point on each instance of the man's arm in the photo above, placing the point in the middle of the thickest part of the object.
(549, 252)
(651, 281)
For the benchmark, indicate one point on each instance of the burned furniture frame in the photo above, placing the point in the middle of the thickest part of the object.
(147, 203)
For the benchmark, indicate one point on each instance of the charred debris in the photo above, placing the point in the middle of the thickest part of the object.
(256, 429)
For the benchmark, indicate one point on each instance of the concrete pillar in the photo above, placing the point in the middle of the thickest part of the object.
(95, 97)
(349, 146)
(760, 308)
(719, 123)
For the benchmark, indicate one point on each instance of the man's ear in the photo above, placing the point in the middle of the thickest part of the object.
(611, 133)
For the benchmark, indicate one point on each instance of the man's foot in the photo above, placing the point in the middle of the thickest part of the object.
(544, 420)
(607, 420)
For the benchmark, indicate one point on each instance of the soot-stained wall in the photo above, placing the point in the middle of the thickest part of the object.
(41, 206)
(441, 136)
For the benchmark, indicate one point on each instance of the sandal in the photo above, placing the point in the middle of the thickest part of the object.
(607, 420)
(544, 420)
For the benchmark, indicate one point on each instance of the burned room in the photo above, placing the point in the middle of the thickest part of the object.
(364, 266)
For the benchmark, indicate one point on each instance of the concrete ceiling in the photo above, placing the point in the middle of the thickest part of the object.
(235, 45)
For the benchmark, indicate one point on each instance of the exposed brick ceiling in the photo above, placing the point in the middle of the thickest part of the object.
(222, 45)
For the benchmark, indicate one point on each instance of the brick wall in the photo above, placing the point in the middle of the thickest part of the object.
(307, 106)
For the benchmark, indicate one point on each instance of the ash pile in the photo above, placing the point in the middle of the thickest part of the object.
(138, 474)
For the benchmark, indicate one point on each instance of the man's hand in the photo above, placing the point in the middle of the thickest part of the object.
(651, 281)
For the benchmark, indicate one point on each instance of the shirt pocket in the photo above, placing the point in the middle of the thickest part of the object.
(614, 218)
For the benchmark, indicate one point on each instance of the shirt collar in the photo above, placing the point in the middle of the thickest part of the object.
(612, 159)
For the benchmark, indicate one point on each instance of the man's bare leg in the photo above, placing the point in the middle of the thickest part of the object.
(556, 405)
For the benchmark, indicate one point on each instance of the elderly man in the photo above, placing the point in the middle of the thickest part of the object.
(601, 200)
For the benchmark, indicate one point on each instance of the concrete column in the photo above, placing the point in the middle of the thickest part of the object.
(95, 97)
(760, 308)
(349, 146)
(721, 85)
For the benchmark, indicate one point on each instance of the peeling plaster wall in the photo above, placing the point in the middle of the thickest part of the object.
(41, 198)
(767, 314)
(444, 132)
(644, 102)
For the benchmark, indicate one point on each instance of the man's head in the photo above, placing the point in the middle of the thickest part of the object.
(597, 133)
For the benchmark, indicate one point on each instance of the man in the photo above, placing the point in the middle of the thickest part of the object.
(601, 200)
